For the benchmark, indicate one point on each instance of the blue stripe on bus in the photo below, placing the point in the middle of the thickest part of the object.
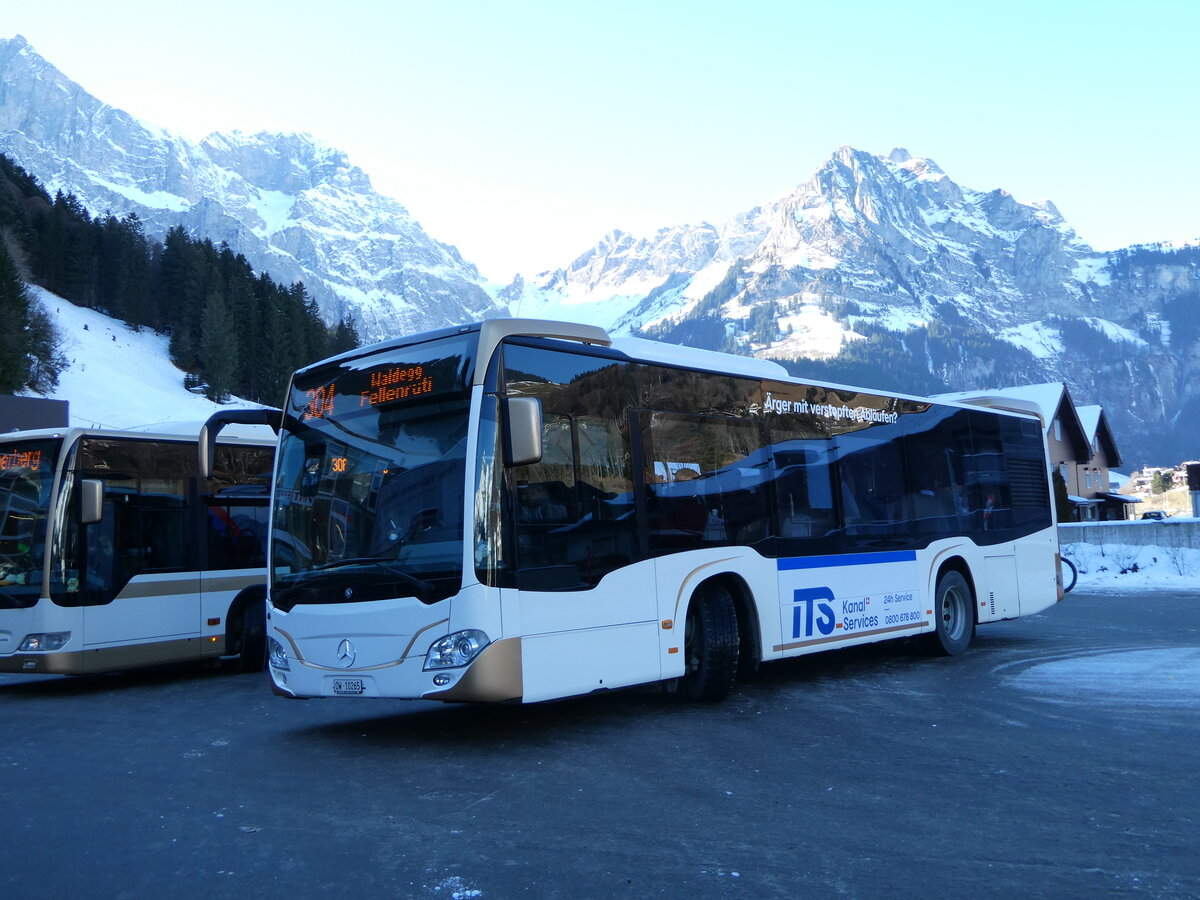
(846, 559)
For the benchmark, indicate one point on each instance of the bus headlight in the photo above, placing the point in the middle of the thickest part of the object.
(456, 649)
(277, 656)
(51, 640)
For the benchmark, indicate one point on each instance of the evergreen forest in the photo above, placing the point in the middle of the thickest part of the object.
(232, 330)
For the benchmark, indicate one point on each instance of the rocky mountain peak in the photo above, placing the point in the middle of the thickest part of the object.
(297, 208)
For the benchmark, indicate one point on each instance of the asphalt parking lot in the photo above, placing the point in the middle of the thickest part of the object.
(1058, 758)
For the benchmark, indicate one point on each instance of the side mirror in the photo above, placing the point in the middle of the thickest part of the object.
(91, 501)
(523, 431)
(206, 449)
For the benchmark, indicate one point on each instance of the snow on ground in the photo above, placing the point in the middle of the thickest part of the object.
(119, 378)
(1129, 678)
(1110, 567)
(1160, 677)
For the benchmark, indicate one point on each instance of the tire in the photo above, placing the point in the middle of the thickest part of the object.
(710, 646)
(1068, 585)
(954, 612)
(253, 657)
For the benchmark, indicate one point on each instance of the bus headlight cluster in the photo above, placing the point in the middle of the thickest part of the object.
(456, 649)
(51, 640)
(277, 656)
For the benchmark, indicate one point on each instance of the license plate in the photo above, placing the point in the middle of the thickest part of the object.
(347, 685)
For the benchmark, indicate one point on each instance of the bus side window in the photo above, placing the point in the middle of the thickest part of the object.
(803, 485)
(705, 478)
(935, 444)
(875, 507)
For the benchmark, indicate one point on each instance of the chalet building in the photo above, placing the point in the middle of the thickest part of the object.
(1092, 480)
(1079, 441)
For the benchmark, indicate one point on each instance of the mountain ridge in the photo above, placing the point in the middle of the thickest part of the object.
(295, 207)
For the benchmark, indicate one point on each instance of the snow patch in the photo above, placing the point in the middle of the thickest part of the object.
(1115, 332)
(118, 378)
(1042, 340)
(153, 199)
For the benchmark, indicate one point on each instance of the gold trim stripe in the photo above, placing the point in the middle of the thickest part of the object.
(690, 575)
(157, 585)
(388, 665)
(843, 637)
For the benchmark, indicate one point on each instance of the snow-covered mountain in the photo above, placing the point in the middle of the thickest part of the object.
(892, 234)
(297, 209)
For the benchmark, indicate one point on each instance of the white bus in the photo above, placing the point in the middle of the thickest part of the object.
(114, 554)
(525, 510)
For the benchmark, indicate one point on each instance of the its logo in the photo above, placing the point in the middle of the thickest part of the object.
(346, 654)
(814, 609)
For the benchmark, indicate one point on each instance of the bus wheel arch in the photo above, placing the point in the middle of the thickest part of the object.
(711, 643)
(749, 633)
(953, 609)
(246, 628)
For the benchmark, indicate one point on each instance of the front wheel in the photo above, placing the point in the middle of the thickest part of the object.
(954, 610)
(710, 646)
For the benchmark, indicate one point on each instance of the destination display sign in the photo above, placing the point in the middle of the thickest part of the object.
(385, 382)
(15, 460)
(391, 384)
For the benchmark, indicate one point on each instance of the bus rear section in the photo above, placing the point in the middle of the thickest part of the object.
(510, 512)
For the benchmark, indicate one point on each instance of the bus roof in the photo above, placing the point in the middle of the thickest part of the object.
(164, 431)
(644, 350)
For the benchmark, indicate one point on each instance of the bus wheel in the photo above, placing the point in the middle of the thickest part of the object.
(710, 646)
(954, 610)
(253, 657)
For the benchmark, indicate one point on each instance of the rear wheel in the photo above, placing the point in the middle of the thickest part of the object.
(710, 645)
(954, 610)
(253, 657)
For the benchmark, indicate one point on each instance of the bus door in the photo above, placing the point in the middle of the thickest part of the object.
(587, 620)
(139, 582)
(235, 539)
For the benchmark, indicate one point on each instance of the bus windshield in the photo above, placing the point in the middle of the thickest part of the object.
(26, 480)
(369, 481)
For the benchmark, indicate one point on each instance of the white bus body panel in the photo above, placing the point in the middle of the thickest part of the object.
(574, 642)
(149, 608)
(630, 628)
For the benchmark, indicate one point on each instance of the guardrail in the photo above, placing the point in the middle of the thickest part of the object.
(1181, 532)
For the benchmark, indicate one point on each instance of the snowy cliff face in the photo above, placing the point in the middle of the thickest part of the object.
(297, 209)
(895, 235)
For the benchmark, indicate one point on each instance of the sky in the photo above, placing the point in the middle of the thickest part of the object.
(522, 132)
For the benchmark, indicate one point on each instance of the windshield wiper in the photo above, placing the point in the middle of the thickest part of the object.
(354, 561)
(422, 589)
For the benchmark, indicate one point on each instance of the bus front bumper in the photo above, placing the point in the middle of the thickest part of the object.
(493, 676)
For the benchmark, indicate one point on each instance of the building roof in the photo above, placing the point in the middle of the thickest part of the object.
(1097, 431)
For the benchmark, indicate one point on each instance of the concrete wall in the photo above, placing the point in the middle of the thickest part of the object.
(1169, 533)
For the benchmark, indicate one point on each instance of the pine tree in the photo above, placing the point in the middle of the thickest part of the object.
(27, 338)
(344, 337)
(218, 348)
(14, 312)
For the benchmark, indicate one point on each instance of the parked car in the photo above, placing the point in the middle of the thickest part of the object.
(1156, 514)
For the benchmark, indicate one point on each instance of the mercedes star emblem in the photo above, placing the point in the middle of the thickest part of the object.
(346, 654)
